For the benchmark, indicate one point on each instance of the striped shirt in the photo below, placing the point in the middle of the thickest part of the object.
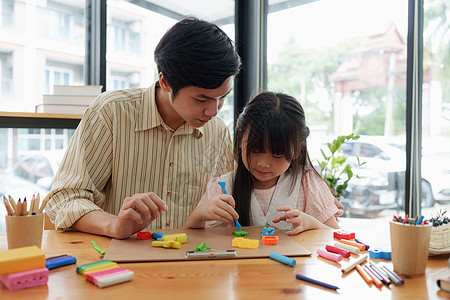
(123, 147)
(314, 198)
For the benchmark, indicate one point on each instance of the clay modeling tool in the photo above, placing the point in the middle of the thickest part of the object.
(222, 184)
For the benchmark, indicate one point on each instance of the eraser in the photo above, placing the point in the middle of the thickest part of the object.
(104, 272)
(21, 259)
(379, 253)
(343, 234)
(90, 272)
(329, 255)
(52, 263)
(282, 259)
(114, 279)
(25, 279)
(95, 266)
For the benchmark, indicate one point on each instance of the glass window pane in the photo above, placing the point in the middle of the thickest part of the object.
(436, 108)
(42, 43)
(349, 73)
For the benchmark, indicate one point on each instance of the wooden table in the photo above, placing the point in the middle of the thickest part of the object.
(230, 279)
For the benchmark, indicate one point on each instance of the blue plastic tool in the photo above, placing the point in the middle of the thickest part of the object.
(222, 184)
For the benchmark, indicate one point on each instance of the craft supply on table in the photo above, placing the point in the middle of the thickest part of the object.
(236, 222)
(358, 240)
(104, 273)
(352, 249)
(378, 253)
(282, 259)
(23, 268)
(337, 250)
(353, 263)
(241, 242)
(270, 240)
(240, 233)
(211, 254)
(59, 261)
(314, 281)
(343, 234)
(329, 255)
(97, 247)
(375, 279)
(201, 247)
(364, 274)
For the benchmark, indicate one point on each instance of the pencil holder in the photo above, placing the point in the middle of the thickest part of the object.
(23, 231)
(409, 247)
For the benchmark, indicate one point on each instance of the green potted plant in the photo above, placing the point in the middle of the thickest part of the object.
(334, 168)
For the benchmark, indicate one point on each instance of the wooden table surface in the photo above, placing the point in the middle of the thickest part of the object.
(230, 279)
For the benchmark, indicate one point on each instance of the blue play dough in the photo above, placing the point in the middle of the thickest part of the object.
(379, 253)
(282, 259)
(268, 231)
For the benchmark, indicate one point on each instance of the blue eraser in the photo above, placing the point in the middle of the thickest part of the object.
(60, 261)
(379, 253)
(157, 235)
(282, 259)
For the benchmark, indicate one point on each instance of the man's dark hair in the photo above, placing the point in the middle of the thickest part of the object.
(196, 53)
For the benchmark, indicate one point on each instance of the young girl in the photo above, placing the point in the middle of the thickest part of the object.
(274, 182)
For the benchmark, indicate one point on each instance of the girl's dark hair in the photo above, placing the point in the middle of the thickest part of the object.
(196, 53)
(276, 124)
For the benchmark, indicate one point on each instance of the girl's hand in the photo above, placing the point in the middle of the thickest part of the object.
(299, 220)
(220, 208)
(340, 207)
(137, 213)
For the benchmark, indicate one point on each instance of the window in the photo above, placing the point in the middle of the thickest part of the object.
(436, 105)
(349, 73)
(7, 13)
(6, 73)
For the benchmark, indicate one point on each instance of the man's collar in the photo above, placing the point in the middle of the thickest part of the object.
(149, 116)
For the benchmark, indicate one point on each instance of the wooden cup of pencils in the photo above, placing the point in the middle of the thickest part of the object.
(409, 247)
(24, 223)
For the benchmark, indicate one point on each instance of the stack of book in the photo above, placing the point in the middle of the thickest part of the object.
(68, 99)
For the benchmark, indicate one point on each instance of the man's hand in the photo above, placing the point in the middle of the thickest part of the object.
(137, 213)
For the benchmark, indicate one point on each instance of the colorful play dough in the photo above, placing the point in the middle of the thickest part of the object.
(241, 242)
(240, 233)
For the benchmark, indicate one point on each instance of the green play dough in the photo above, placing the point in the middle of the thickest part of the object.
(240, 233)
(201, 247)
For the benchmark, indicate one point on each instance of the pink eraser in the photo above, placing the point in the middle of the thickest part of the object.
(342, 234)
(25, 279)
(109, 271)
(329, 255)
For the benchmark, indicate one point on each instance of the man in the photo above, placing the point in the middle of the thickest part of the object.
(136, 146)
